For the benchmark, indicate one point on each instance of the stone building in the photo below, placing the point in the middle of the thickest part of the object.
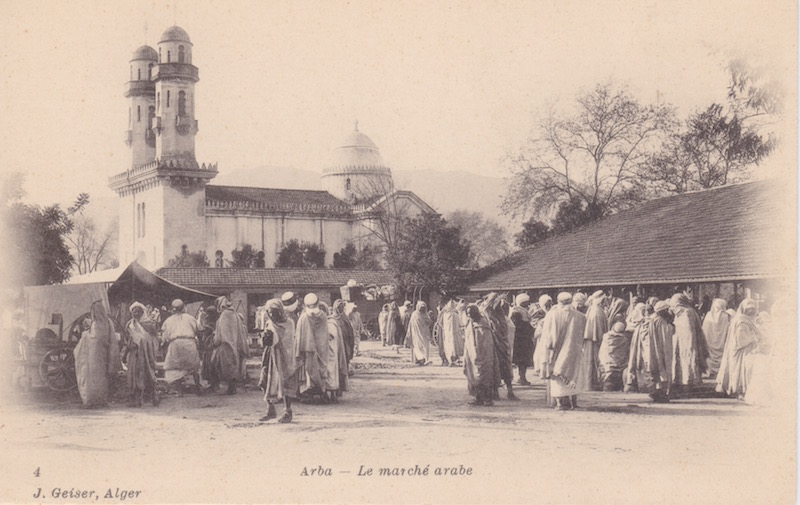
(167, 201)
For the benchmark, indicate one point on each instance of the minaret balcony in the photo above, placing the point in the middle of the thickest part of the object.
(140, 88)
(129, 138)
(182, 71)
(185, 125)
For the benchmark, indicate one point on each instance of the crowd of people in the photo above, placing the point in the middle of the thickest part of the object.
(576, 344)
(598, 343)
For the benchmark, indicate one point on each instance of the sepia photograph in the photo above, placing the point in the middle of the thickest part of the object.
(405, 252)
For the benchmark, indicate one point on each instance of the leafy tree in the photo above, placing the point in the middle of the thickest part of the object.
(533, 231)
(721, 143)
(486, 237)
(346, 258)
(188, 259)
(36, 237)
(297, 254)
(246, 257)
(430, 253)
(591, 155)
(370, 258)
(574, 213)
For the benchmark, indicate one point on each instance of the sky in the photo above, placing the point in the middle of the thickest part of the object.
(436, 85)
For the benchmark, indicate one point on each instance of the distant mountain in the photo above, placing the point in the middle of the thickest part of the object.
(444, 191)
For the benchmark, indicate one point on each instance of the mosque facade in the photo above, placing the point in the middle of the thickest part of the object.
(166, 200)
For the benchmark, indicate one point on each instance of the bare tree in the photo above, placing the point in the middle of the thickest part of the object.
(591, 155)
(92, 248)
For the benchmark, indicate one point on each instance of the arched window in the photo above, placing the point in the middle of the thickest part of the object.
(138, 220)
(169, 57)
(180, 54)
(347, 184)
(158, 100)
(150, 71)
(144, 218)
(181, 103)
(160, 59)
(138, 74)
(138, 113)
(218, 261)
(168, 99)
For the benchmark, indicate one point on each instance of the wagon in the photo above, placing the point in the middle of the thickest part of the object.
(54, 315)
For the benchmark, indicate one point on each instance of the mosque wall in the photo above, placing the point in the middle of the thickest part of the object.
(269, 233)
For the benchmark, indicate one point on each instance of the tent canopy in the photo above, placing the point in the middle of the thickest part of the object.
(136, 283)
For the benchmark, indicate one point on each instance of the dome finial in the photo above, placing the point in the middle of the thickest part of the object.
(355, 125)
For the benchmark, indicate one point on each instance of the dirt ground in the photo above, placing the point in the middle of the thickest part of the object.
(616, 448)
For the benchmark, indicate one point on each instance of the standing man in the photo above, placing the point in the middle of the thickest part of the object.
(280, 374)
(496, 311)
(479, 360)
(179, 332)
(230, 345)
(562, 337)
(351, 309)
(419, 334)
(290, 303)
(141, 354)
(596, 327)
(523, 339)
(311, 346)
(690, 349)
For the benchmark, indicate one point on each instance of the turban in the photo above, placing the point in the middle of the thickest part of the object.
(289, 301)
(135, 305)
(564, 297)
(310, 300)
(274, 304)
(661, 306)
(522, 298)
(619, 327)
(544, 300)
(421, 305)
(177, 304)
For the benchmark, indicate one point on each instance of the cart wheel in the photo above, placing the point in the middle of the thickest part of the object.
(75, 329)
(57, 370)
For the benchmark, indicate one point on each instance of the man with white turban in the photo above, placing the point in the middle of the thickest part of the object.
(141, 355)
(596, 327)
(179, 332)
(523, 338)
(280, 377)
(231, 347)
(715, 328)
(690, 348)
(538, 312)
(743, 338)
(451, 334)
(419, 334)
(311, 346)
(562, 337)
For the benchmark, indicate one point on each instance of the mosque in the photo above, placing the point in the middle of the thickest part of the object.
(166, 200)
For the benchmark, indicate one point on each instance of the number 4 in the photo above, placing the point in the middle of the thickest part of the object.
(37, 472)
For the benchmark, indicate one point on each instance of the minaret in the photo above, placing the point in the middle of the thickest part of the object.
(162, 195)
(141, 91)
(174, 86)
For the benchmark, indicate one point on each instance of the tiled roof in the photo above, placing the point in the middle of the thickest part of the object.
(276, 200)
(283, 277)
(705, 236)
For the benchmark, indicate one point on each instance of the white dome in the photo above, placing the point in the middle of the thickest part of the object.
(356, 153)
